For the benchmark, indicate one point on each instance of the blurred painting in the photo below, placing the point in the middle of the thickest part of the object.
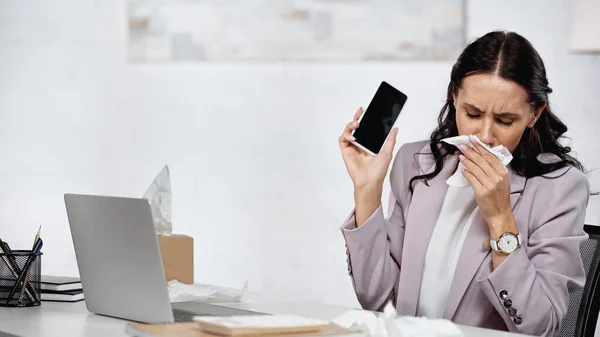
(295, 30)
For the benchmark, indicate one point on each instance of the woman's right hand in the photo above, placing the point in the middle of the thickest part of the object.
(367, 172)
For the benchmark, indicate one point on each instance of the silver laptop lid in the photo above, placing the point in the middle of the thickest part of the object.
(118, 257)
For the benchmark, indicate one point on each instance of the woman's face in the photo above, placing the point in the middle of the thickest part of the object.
(494, 109)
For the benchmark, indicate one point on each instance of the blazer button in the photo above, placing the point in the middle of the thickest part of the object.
(507, 303)
(512, 312)
(503, 294)
(518, 320)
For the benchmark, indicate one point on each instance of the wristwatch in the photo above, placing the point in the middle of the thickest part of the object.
(506, 243)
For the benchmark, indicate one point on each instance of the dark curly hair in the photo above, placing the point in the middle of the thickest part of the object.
(512, 57)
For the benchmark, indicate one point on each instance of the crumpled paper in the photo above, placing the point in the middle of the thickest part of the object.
(159, 197)
(499, 151)
(180, 292)
(388, 324)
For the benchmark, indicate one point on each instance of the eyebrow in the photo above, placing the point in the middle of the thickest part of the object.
(500, 114)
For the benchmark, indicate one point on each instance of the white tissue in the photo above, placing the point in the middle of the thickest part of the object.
(389, 324)
(180, 292)
(159, 197)
(499, 151)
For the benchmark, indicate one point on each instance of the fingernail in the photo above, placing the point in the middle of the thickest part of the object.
(352, 137)
(461, 157)
(462, 147)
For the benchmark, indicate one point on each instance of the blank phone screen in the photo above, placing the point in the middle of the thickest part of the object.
(379, 118)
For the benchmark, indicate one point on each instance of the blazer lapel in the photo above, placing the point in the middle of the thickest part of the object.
(422, 216)
(473, 253)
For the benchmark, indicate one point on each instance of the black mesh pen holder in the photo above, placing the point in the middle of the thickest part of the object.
(20, 278)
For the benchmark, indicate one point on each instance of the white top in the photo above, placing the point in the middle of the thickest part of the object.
(444, 247)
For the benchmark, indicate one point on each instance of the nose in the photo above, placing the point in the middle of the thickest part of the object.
(486, 134)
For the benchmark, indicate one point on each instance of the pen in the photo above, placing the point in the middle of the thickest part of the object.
(36, 249)
(7, 260)
(6, 249)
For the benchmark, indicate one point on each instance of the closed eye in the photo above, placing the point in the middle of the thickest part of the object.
(499, 120)
(507, 123)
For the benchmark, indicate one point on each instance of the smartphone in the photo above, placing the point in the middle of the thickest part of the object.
(378, 119)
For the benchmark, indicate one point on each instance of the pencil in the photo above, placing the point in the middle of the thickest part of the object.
(37, 236)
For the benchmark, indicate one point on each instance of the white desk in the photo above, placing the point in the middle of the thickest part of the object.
(73, 320)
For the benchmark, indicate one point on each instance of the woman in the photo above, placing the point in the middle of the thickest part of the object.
(438, 254)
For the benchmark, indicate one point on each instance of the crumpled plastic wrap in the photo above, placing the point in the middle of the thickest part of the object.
(180, 292)
(159, 196)
(388, 324)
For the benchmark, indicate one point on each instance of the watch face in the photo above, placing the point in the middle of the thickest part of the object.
(508, 242)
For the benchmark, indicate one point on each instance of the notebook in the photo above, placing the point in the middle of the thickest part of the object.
(60, 283)
(62, 296)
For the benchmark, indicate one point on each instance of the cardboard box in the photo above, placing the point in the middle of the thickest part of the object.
(177, 253)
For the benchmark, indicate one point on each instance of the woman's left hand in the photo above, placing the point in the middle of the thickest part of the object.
(491, 183)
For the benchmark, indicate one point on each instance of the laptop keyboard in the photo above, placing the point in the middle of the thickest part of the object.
(185, 311)
(182, 316)
(6, 334)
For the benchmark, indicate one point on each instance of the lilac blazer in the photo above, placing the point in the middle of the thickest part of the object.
(385, 256)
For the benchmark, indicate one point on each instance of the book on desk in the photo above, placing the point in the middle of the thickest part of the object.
(60, 283)
(62, 296)
(61, 289)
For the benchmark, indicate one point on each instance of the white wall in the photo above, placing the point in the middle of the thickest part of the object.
(257, 177)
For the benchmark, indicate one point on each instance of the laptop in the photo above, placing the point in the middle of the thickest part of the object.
(120, 265)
